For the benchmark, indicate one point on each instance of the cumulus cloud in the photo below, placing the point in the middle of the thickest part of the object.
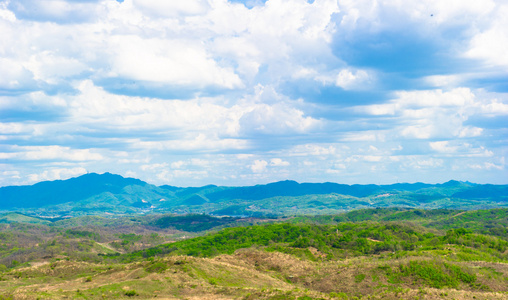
(259, 166)
(172, 8)
(442, 146)
(174, 62)
(50, 153)
(436, 113)
(349, 80)
(277, 162)
(276, 119)
(56, 174)
(60, 11)
(490, 44)
(243, 92)
(14, 77)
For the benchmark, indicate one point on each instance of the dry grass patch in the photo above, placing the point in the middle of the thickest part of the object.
(250, 274)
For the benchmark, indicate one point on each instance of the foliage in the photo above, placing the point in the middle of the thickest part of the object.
(488, 221)
(437, 275)
(378, 253)
(338, 240)
(192, 222)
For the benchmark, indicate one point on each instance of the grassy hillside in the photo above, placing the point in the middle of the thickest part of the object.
(366, 254)
(258, 274)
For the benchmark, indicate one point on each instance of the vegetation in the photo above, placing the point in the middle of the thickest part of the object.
(490, 221)
(337, 241)
(109, 237)
(192, 222)
(385, 253)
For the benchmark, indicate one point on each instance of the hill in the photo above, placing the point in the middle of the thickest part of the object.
(366, 254)
(109, 194)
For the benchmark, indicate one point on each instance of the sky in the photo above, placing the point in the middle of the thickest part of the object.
(235, 93)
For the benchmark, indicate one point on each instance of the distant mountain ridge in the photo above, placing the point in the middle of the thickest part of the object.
(109, 193)
(62, 191)
(293, 188)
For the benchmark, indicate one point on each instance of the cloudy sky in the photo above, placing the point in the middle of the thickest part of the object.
(198, 92)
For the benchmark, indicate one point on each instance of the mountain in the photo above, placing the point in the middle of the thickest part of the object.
(293, 188)
(113, 194)
(107, 188)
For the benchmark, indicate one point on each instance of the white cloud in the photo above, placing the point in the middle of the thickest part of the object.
(190, 174)
(277, 162)
(116, 112)
(58, 153)
(372, 158)
(14, 76)
(418, 132)
(13, 128)
(154, 87)
(175, 62)
(436, 98)
(491, 44)
(156, 166)
(177, 164)
(9, 175)
(347, 79)
(470, 132)
(436, 113)
(494, 107)
(363, 137)
(487, 166)
(442, 146)
(54, 10)
(419, 163)
(386, 14)
(56, 174)
(313, 150)
(276, 119)
(350, 80)
(443, 80)
(199, 143)
(172, 8)
(259, 166)
(50, 68)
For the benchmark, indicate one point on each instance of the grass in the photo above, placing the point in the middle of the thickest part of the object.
(258, 274)
(349, 260)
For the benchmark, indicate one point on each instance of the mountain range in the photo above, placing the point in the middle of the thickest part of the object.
(112, 194)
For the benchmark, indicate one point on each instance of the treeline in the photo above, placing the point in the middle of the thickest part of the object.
(488, 221)
(334, 241)
(192, 222)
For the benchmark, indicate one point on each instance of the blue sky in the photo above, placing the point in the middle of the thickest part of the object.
(198, 92)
